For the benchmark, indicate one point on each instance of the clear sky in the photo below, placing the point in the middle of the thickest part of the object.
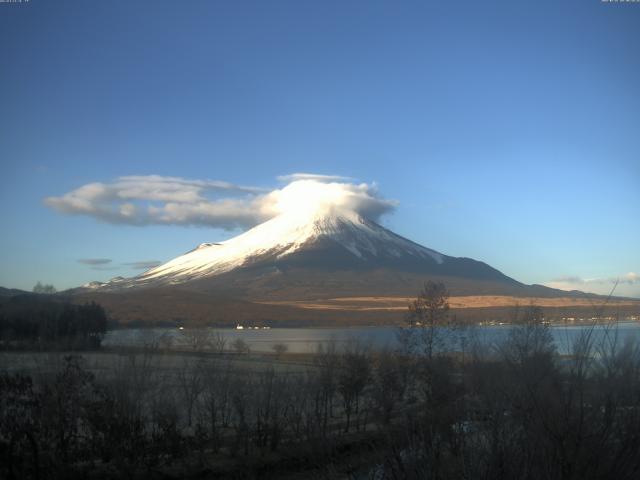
(507, 131)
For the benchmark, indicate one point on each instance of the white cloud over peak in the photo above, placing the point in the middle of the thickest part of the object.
(157, 200)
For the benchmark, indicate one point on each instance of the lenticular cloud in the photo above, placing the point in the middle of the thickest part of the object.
(157, 200)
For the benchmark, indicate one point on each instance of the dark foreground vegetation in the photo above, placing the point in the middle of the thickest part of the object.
(45, 321)
(515, 410)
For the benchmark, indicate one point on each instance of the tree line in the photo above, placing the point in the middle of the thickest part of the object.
(46, 321)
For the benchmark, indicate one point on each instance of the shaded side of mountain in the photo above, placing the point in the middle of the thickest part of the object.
(10, 292)
(327, 255)
(275, 282)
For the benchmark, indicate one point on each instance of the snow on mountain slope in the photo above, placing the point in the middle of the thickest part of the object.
(282, 236)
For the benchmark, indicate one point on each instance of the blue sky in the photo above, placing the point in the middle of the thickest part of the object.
(507, 132)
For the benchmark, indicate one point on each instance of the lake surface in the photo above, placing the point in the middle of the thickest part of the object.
(307, 340)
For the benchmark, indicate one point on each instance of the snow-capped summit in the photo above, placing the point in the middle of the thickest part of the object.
(308, 236)
(338, 232)
(321, 257)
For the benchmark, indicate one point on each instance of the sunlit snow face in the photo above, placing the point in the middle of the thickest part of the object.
(308, 197)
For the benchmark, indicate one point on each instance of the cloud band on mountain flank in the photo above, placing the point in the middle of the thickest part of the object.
(143, 264)
(630, 278)
(158, 200)
(94, 261)
(627, 284)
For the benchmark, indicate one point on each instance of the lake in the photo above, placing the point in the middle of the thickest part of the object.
(306, 340)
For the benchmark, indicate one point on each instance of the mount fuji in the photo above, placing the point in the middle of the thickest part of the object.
(330, 242)
(310, 265)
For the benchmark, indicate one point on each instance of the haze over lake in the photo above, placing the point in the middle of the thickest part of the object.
(307, 340)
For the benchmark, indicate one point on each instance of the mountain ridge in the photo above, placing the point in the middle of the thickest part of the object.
(338, 241)
(270, 272)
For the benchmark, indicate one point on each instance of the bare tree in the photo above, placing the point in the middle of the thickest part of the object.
(19, 427)
(353, 376)
(197, 338)
(166, 341)
(191, 384)
(216, 405)
(280, 349)
(242, 402)
(218, 342)
(240, 346)
(390, 378)
(428, 315)
(324, 383)
(271, 392)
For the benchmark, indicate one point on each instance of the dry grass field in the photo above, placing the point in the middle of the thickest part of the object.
(162, 307)
(462, 302)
